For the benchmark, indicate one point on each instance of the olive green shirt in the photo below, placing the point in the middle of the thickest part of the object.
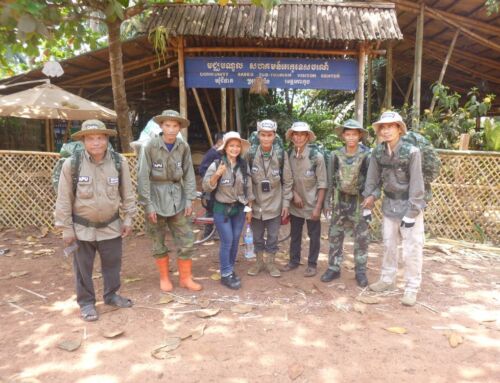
(165, 180)
(268, 205)
(99, 195)
(231, 186)
(308, 178)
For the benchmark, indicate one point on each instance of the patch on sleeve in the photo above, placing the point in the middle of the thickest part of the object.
(112, 180)
(83, 179)
(157, 165)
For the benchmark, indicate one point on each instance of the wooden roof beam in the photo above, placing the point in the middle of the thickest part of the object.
(436, 14)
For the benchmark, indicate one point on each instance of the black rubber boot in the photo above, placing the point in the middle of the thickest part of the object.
(361, 279)
(330, 275)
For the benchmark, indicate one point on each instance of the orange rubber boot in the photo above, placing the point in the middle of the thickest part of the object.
(185, 276)
(165, 284)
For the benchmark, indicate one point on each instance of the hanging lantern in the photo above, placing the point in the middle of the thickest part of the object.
(259, 86)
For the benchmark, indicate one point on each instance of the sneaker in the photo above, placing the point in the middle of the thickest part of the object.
(310, 271)
(330, 275)
(230, 282)
(380, 286)
(235, 277)
(409, 298)
(290, 266)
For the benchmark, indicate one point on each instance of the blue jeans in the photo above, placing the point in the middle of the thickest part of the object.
(229, 229)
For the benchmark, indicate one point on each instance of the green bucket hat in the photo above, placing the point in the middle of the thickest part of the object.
(171, 115)
(350, 124)
(93, 127)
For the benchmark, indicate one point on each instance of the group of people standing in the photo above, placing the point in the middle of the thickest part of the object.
(261, 184)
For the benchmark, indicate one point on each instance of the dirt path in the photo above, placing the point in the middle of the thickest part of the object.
(298, 329)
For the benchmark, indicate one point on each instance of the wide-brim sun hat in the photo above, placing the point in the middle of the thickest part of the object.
(245, 145)
(300, 127)
(172, 115)
(267, 126)
(388, 118)
(93, 127)
(350, 124)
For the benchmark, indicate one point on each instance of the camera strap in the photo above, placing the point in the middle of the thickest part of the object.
(264, 162)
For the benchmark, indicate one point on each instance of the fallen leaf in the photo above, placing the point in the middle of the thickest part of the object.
(112, 333)
(203, 303)
(287, 284)
(455, 339)
(165, 299)
(318, 289)
(162, 352)
(348, 265)
(491, 319)
(341, 286)
(42, 252)
(324, 237)
(368, 299)
(139, 234)
(132, 279)
(397, 330)
(44, 230)
(30, 238)
(207, 313)
(198, 331)
(97, 276)
(15, 274)
(295, 370)
(215, 277)
(359, 307)
(69, 344)
(241, 309)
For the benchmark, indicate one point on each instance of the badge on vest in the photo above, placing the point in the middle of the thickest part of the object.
(275, 173)
(225, 181)
(157, 165)
(179, 164)
(309, 173)
(255, 169)
(112, 180)
(83, 179)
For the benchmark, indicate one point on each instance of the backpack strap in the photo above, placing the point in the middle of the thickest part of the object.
(76, 164)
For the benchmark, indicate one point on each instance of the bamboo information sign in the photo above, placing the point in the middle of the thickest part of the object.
(240, 72)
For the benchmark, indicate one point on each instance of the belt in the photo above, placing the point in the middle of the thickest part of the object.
(97, 225)
(400, 195)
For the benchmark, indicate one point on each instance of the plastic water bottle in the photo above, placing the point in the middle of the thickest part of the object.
(249, 253)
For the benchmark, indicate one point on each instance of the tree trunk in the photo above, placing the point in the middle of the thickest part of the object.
(118, 85)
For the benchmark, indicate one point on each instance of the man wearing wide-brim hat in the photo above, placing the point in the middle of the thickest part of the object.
(309, 187)
(166, 186)
(94, 186)
(395, 167)
(346, 181)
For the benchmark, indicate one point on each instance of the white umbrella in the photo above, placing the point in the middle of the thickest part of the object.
(48, 101)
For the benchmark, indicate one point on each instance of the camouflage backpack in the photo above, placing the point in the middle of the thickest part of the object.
(278, 148)
(347, 170)
(74, 151)
(431, 164)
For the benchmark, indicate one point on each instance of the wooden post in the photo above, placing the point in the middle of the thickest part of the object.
(223, 109)
(47, 135)
(212, 109)
(369, 91)
(464, 141)
(360, 94)
(183, 110)
(202, 113)
(388, 77)
(231, 109)
(410, 87)
(418, 66)
(445, 65)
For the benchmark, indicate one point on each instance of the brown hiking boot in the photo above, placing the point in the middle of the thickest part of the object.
(258, 266)
(271, 267)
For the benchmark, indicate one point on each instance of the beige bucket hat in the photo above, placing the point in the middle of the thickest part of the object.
(93, 127)
(173, 115)
(300, 127)
(231, 136)
(390, 117)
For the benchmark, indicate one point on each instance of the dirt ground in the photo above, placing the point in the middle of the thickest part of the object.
(272, 330)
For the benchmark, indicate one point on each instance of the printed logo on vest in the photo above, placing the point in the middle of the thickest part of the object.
(225, 182)
(309, 173)
(157, 165)
(83, 179)
(255, 169)
(112, 180)
(275, 173)
(179, 164)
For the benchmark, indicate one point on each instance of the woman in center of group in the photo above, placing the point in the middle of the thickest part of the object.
(233, 202)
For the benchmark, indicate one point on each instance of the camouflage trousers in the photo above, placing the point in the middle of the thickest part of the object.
(346, 219)
(182, 233)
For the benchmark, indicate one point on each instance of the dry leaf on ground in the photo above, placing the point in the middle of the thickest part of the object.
(132, 279)
(397, 330)
(215, 277)
(198, 331)
(139, 234)
(455, 339)
(203, 303)
(368, 299)
(70, 344)
(162, 352)
(44, 230)
(359, 307)
(15, 274)
(295, 370)
(241, 309)
(165, 299)
(42, 252)
(207, 313)
(112, 333)
(31, 238)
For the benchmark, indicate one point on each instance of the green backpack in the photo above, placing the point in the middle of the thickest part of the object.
(278, 148)
(347, 170)
(431, 164)
(74, 151)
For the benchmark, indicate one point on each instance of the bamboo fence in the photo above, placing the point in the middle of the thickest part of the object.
(466, 203)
